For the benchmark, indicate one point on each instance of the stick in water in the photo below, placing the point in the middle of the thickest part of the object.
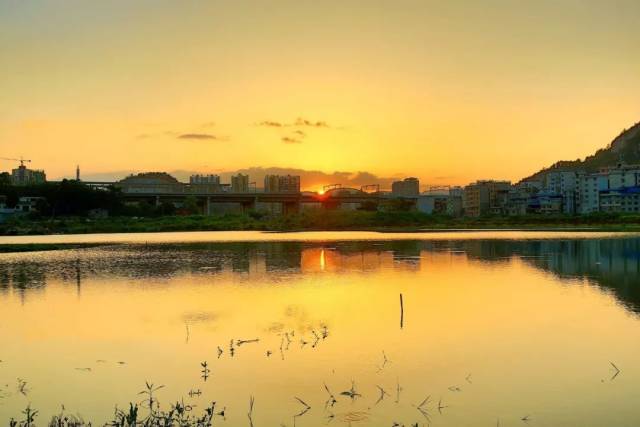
(401, 312)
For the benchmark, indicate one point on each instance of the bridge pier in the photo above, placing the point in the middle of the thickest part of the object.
(330, 205)
(289, 208)
(248, 206)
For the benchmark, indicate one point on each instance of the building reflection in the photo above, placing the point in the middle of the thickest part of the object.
(613, 264)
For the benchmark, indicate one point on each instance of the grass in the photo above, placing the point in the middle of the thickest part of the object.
(35, 247)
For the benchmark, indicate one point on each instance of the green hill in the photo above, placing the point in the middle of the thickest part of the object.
(624, 148)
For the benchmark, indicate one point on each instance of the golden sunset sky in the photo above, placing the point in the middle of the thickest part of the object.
(448, 91)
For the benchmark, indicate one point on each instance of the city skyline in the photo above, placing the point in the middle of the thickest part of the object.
(443, 92)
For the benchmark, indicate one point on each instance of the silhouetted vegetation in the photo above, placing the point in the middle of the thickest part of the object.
(66, 198)
(312, 220)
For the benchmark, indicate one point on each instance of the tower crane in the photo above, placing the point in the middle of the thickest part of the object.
(21, 160)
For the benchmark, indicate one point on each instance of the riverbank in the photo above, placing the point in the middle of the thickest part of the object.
(318, 221)
(38, 247)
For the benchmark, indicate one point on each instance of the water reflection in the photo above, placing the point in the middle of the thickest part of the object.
(612, 264)
(492, 330)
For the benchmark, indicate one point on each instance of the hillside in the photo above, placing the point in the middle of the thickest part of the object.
(625, 147)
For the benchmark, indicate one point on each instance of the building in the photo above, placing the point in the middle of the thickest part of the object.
(205, 184)
(408, 187)
(589, 191)
(529, 186)
(271, 184)
(151, 182)
(281, 184)
(625, 199)
(621, 176)
(518, 201)
(607, 189)
(566, 185)
(486, 197)
(24, 176)
(446, 201)
(240, 183)
(546, 203)
(204, 179)
(454, 202)
(289, 184)
(432, 203)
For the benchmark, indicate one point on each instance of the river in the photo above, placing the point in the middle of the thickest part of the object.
(495, 328)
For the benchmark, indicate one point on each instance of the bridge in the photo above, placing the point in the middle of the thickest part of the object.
(208, 197)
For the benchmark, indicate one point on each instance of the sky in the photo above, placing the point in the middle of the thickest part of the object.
(447, 91)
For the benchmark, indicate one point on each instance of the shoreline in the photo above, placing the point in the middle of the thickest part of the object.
(52, 242)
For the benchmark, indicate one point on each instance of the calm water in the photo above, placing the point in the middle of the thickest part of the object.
(496, 326)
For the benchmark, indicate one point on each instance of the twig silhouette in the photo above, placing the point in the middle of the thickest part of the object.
(422, 407)
(441, 406)
(22, 387)
(205, 370)
(325, 332)
(150, 390)
(385, 361)
(303, 411)
(317, 339)
(352, 393)
(383, 393)
(250, 413)
(617, 371)
(331, 400)
(398, 390)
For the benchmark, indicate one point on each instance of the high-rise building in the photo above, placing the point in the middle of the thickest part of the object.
(289, 184)
(282, 184)
(23, 176)
(204, 179)
(408, 187)
(564, 184)
(240, 183)
(484, 197)
(271, 184)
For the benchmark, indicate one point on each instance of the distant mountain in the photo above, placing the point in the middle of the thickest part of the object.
(624, 148)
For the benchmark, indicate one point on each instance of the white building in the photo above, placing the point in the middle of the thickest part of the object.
(589, 192)
(623, 176)
(565, 184)
(605, 191)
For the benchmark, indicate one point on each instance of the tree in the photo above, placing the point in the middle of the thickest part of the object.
(167, 209)
(191, 205)
(5, 178)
